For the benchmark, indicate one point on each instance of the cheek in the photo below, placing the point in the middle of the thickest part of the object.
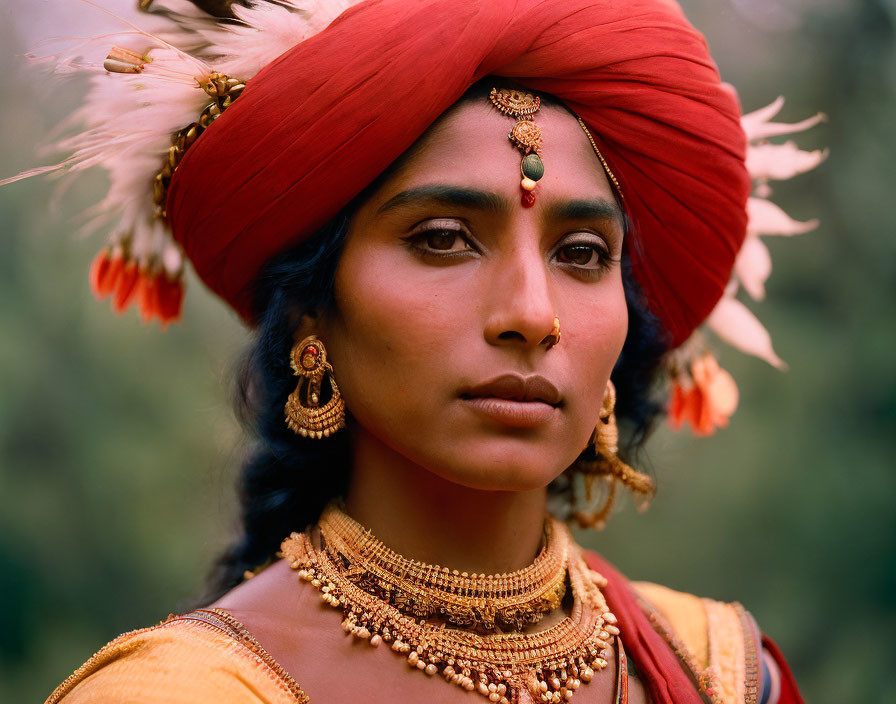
(596, 335)
(389, 328)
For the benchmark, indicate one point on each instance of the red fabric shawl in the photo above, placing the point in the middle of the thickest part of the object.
(324, 119)
(665, 677)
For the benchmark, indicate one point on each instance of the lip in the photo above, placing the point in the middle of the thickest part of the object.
(514, 400)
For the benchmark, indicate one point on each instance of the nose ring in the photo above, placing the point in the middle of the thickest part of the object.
(553, 338)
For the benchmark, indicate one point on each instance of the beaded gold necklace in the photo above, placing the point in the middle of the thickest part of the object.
(386, 598)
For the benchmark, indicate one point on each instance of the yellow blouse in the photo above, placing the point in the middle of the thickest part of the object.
(208, 656)
(202, 656)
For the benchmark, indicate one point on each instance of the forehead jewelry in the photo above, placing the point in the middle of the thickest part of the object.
(616, 187)
(525, 136)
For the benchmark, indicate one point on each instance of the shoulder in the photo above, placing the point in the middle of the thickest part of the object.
(719, 641)
(200, 656)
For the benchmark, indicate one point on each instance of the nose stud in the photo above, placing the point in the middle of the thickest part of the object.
(553, 338)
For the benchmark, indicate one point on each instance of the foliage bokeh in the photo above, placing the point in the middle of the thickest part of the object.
(118, 449)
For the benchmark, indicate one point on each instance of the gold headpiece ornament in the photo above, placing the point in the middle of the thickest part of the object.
(525, 136)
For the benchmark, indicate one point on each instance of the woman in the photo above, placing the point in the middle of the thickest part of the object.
(450, 323)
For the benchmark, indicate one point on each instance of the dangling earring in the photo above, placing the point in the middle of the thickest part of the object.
(304, 414)
(600, 461)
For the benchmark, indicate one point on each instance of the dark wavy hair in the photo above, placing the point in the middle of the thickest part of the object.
(287, 480)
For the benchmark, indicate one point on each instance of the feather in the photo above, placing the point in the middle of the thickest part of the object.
(781, 161)
(266, 30)
(155, 85)
(753, 266)
(733, 322)
(766, 218)
(757, 124)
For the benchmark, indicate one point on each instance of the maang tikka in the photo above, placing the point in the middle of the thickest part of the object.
(601, 461)
(305, 415)
(525, 136)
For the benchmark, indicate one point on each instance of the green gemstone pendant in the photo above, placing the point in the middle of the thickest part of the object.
(532, 167)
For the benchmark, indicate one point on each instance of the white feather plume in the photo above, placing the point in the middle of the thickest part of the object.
(127, 121)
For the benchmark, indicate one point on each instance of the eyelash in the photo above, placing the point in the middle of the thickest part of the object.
(418, 241)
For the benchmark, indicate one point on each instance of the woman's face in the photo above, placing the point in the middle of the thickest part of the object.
(447, 289)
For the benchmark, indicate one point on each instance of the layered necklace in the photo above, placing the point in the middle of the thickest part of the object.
(467, 628)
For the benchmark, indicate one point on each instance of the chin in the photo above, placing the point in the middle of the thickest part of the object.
(505, 471)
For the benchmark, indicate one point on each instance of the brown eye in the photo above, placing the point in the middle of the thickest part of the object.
(441, 239)
(583, 255)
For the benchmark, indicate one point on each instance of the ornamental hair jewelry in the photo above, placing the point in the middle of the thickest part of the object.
(616, 188)
(305, 415)
(525, 136)
(600, 460)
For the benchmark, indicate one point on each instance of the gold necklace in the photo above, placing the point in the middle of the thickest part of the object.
(551, 664)
(510, 601)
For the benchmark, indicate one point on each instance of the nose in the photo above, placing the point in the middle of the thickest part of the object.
(520, 308)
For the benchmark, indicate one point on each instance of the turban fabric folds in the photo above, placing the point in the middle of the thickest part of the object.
(323, 120)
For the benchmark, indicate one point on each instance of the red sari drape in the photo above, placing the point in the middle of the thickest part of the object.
(666, 678)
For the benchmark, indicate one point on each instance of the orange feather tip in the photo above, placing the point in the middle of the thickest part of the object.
(703, 396)
(104, 272)
(156, 295)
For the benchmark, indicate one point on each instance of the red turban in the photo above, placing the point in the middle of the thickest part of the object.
(323, 120)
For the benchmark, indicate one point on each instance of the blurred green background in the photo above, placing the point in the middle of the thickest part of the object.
(118, 449)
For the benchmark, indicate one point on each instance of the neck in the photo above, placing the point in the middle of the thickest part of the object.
(430, 519)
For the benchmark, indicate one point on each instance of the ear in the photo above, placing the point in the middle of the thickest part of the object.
(304, 324)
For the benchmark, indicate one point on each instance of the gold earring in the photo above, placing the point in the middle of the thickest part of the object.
(600, 461)
(305, 415)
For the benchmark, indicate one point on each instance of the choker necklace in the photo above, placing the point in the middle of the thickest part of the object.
(386, 598)
(510, 601)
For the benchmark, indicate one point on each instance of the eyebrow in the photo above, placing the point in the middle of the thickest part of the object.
(448, 195)
(493, 203)
(585, 209)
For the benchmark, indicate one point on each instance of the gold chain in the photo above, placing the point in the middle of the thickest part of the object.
(601, 157)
